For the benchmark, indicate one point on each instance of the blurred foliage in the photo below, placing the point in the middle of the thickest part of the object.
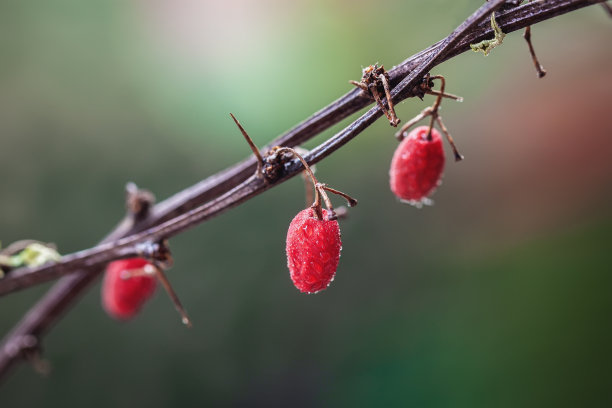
(495, 296)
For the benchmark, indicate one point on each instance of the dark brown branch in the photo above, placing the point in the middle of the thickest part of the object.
(235, 185)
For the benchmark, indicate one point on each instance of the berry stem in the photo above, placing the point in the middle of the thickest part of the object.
(438, 101)
(401, 134)
(332, 214)
(316, 205)
(320, 189)
(309, 197)
(436, 105)
(445, 95)
(350, 200)
(307, 191)
(458, 156)
(435, 117)
(259, 159)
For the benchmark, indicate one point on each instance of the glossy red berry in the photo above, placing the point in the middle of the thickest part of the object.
(313, 250)
(417, 164)
(123, 294)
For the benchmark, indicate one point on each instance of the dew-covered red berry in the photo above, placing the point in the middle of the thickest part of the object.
(124, 294)
(417, 164)
(313, 250)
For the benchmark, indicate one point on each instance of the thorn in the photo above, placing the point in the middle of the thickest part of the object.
(161, 276)
(260, 161)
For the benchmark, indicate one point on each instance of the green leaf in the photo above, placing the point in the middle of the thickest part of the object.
(37, 254)
(33, 255)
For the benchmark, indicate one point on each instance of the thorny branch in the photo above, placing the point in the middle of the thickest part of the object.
(237, 184)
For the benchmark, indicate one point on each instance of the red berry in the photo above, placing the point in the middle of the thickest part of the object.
(122, 295)
(313, 250)
(417, 164)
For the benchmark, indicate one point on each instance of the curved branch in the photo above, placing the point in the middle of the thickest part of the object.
(233, 186)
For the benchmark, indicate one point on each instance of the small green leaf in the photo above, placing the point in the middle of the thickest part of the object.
(9, 261)
(37, 254)
(33, 254)
(487, 45)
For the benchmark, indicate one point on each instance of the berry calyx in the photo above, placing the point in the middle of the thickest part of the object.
(417, 164)
(128, 284)
(313, 250)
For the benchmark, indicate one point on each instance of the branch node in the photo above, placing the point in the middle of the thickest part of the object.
(138, 201)
(158, 252)
(373, 79)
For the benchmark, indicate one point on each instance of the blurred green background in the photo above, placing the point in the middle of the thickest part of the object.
(496, 296)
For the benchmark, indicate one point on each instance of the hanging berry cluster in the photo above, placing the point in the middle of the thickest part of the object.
(313, 242)
(418, 162)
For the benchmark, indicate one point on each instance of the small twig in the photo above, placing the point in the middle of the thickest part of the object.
(308, 192)
(444, 95)
(401, 134)
(451, 141)
(539, 68)
(350, 200)
(436, 105)
(163, 279)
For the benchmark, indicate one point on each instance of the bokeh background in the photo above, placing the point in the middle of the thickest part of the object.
(496, 296)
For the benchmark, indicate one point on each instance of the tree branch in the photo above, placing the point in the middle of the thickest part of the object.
(236, 185)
